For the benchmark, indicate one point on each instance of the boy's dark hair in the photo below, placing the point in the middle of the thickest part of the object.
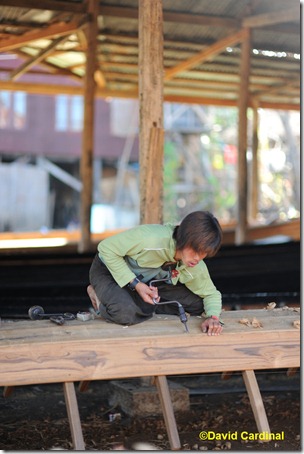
(200, 231)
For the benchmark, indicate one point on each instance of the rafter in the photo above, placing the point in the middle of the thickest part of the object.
(212, 50)
(57, 30)
(262, 20)
(37, 59)
(50, 67)
(47, 5)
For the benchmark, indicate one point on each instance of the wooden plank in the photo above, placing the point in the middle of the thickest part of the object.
(73, 415)
(256, 401)
(41, 352)
(165, 400)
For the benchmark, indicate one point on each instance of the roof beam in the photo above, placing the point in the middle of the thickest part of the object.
(50, 67)
(60, 29)
(262, 20)
(35, 60)
(51, 89)
(211, 51)
(50, 5)
(168, 16)
(125, 12)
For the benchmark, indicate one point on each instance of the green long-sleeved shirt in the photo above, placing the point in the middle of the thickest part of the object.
(144, 249)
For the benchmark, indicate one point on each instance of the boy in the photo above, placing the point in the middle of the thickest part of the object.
(126, 263)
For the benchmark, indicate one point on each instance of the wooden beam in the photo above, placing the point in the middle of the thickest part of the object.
(55, 89)
(260, 20)
(210, 52)
(242, 210)
(167, 407)
(50, 67)
(151, 110)
(8, 391)
(254, 177)
(97, 350)
(86, 163)
(57, 30)
(72, 7)
(98, 74)
(100, 78)
(169, 16)
(37, 59)
(256, 401)
(201, 19)
(73, 415)
(265, 19)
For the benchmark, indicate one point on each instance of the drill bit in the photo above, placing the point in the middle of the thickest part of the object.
(183, 316)
(181, 310)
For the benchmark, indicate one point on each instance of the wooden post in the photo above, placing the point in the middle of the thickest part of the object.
(167, 407)
(151, 110)
(73, 415)
(86, 165)
(242, 209)
(256, 401)
(254, 177)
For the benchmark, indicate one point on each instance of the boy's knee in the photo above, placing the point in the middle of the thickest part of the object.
(121, 315)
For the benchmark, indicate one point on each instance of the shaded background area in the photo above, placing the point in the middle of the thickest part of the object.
(248, 276)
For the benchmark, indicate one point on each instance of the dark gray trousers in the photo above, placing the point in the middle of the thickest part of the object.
(125, 307)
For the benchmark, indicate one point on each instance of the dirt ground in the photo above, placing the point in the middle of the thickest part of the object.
(34, 418)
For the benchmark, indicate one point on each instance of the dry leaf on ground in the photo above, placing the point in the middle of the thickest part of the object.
(296, 324)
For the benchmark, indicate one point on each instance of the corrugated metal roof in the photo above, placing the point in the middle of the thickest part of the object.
(189, 28)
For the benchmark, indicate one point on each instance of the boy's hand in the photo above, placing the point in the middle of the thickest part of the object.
(147, 293)
(212, 327)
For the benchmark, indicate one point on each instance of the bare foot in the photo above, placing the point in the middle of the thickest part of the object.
(93, 297)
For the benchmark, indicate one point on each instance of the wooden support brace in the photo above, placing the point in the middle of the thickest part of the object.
(226, 375)
(167, 407)
(291, 371)
(256, 401)
(83, 385)
(8, 390)
(73, 415)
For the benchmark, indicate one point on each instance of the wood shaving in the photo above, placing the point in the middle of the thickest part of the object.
(271, 306)
(296, 324)
(245, 321)
(255, 323)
